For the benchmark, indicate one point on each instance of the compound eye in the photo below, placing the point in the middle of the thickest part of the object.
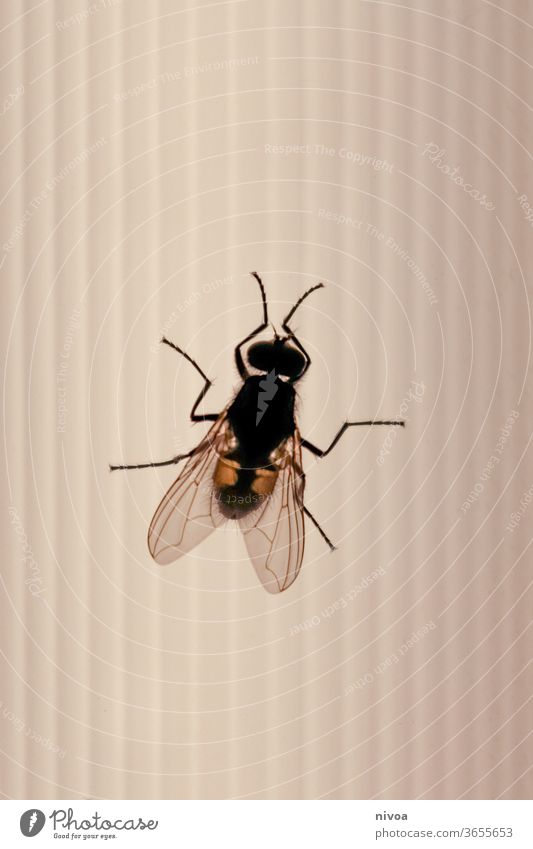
(291, 362)
(260, 356)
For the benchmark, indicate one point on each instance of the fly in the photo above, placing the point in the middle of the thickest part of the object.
(248, 467)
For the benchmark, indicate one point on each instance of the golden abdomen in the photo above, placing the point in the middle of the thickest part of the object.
(240, 490)
(264, 481)
(226, 473)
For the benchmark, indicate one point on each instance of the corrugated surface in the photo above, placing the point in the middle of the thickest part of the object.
(145, 171)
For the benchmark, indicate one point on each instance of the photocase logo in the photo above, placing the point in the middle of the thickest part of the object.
(267, 389)
(32, 822)
(65, 825)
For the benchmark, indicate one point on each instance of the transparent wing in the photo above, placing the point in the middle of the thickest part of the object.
(274, 533)
(189, 512)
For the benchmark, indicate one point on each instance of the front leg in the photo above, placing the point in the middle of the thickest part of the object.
(243, 371)
(203, 417)
(318, 452)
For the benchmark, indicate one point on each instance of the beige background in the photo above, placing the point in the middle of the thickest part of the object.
(137, 194)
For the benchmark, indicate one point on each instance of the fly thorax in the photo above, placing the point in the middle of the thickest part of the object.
(267, 389)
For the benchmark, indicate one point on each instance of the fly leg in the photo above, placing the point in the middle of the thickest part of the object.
(203, 417)
(319, 529)
(318, 452)
(151, 465)
(290, 332)
(243, 371)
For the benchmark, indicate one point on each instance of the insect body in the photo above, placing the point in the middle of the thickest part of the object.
(248, 467)
(248, 472)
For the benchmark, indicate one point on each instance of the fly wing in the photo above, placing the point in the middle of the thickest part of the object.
(189, 512)
(274, 533)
